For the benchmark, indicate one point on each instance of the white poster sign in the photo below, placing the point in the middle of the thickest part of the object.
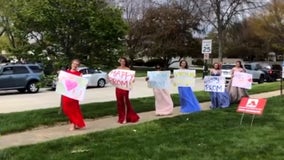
(242, 80)
(121, 78)
(184, 78)
(159, 79)
(214, 83)
(71, 85)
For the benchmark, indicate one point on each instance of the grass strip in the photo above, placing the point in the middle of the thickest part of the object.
(214, 134)
(21, 121)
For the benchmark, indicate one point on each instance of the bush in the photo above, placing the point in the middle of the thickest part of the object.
(138, 62)
(154, 62)
(198, 62)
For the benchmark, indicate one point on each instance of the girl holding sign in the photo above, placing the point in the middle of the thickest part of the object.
(218, 99)
(125, 110)
(163, 101)
(188, 100)
(71, 106)
(236, 93)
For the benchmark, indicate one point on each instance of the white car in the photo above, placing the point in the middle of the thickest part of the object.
(252, 68)
(96, 77)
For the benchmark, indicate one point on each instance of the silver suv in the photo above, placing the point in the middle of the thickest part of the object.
(21, 77)
(252, 68)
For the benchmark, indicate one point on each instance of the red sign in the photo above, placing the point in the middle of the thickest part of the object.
(252, 105)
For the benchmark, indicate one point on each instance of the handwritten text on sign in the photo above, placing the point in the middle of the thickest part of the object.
(184, 78)
(121, 78)
(71, 86)
(159, 79)
(252, 105)
(242, 80)
(214, 83)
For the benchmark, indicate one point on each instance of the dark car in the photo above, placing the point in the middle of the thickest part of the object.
(273, 71)
(21, 77)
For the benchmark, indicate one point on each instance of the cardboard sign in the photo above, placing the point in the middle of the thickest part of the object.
(121, 78)
(214, 83)
(159, 79)
(184, 78)
(252, 106)
(282, 72)
(242, 80)
(71, 86)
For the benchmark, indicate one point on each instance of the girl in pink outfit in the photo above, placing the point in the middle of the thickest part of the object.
(163, 100)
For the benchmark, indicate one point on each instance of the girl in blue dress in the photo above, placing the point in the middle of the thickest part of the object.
(218, 99)
(188, 100)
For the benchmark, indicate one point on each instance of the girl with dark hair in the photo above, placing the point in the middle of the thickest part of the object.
(163, 101)
(71, 107)
(125, 110)
(236, 93)
(218, 99)
(188, 100)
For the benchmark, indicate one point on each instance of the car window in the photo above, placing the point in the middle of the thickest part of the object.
(20, 70)
(8, 70)
(257, 66)
(35, 69)
(227, 66)
(84, 71)
(248, 67)
(91, 71)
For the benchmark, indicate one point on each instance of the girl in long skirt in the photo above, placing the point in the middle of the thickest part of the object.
(71, 107)
(125, 110)
(163, 100)
(188, 100)
(218, 99)
(236, 93)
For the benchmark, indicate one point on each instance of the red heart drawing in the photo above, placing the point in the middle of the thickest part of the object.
(70, 84)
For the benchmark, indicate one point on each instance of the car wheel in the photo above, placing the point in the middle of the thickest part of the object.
(101, 83)
(261, 79)
(22, 90)
(32, 87)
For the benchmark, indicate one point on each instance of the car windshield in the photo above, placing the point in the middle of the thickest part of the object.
(276, 67)
(225, 66)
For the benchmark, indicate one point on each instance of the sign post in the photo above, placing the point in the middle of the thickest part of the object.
(282, 77)
(206, 50)
(251, 106)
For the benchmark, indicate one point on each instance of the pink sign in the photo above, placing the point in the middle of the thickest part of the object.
(242, 80)
(121, 78)
(71, 86)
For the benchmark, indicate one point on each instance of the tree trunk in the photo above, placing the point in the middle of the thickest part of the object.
(220, 45)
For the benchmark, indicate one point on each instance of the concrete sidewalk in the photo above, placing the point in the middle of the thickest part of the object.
(56, 132)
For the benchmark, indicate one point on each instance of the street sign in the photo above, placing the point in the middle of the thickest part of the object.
(206, 46)
(206, 56)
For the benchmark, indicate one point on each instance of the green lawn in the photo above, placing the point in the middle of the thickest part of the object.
(21, 121)
(208, 135)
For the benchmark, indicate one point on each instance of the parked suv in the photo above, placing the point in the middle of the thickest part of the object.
(255, 69)
(251, 68)
(21, 77)
(273, 72)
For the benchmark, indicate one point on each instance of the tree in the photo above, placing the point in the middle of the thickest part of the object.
(221, 13)
(269, 25)
(166, 32)
(85, 29)
(242, 42)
